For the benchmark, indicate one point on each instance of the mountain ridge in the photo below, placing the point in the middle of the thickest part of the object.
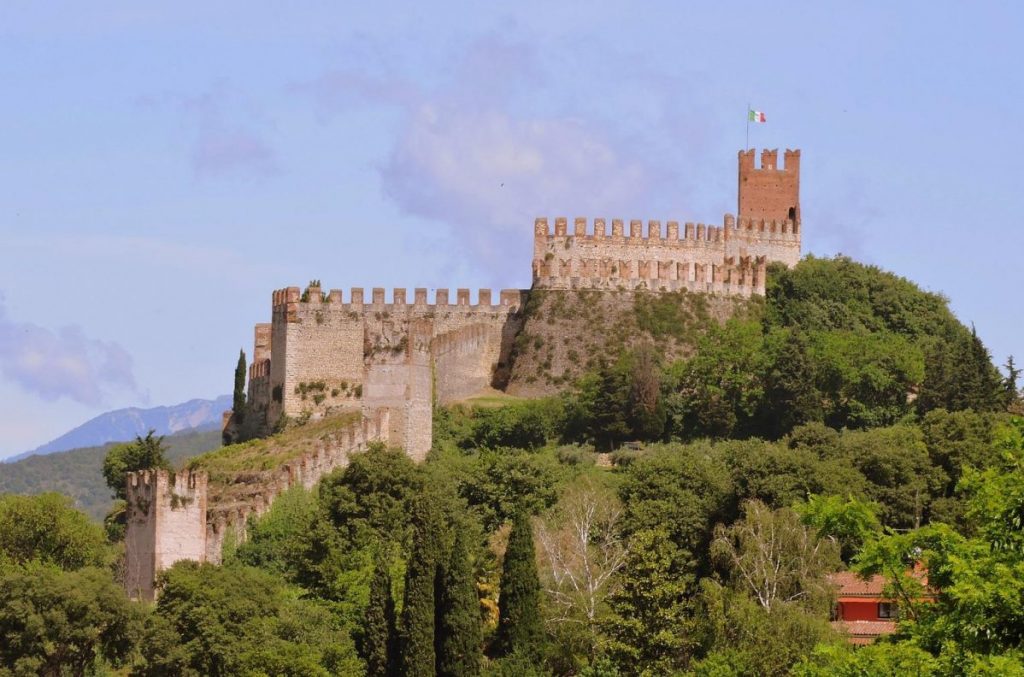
(122, 425)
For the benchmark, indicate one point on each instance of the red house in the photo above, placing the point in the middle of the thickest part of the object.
(862, 611)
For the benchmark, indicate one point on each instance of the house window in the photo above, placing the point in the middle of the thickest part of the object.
(886, 610)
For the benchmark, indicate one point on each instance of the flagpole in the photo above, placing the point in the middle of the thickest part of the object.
(747, 146)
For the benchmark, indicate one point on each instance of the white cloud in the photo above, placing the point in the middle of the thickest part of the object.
(63, 363)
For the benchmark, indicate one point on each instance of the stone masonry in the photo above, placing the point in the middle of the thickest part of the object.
(393, 359)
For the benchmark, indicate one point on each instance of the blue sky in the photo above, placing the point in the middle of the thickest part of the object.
(164, 169)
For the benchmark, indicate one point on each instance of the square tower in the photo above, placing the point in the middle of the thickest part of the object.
(769, 192)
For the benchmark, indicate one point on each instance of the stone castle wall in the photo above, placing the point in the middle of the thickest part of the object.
(322, 354)
(323, 348)
(174, 517)
(698, 258)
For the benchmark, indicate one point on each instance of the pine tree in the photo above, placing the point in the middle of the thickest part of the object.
(380, 645)
(238, 400)
(1010, 382)
(458, 632)
(421, 579)
(519, 622)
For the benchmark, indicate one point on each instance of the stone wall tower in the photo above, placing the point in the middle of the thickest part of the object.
(770, 192)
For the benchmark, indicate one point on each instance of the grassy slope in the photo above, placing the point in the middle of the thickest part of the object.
(238, 469)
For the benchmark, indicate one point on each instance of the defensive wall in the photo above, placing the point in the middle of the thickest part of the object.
(323, 353)
(392, 359)
(183, 516)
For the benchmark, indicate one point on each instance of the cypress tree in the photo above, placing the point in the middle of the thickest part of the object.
(238, 399)
(519, 622)
(421, 579)
(458, 633)
(380, 645)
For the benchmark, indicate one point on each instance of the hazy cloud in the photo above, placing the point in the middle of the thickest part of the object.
(488, 173)
(501, 141)
(227, 128)
(63, 362)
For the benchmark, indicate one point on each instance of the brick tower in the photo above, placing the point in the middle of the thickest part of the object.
(771, 192)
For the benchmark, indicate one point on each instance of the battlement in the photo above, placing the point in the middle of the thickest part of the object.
(770, 160)
(292, 299)
(259, 369)
(596, 230)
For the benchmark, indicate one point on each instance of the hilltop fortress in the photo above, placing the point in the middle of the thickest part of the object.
(392, 359)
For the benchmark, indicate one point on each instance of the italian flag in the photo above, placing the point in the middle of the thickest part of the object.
(756, 116)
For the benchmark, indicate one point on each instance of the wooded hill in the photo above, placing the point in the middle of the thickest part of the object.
(78, 473)
(846, 421)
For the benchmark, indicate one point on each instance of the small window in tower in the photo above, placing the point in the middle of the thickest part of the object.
(792, 213)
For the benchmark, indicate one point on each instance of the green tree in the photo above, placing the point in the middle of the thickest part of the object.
(238, 397)
(959, 374)
(459, 629)
(717, 392)
(275, 542)
(56, 622)
(45, 528)
(865, 378)
(419, 608)
(520, 628)
(647, 414)
(849, 522)
(232, 620)
(649, 627)
(791, 397)
(1012, 395)
(363, 506)
(900, 476)
(504, 480)
(142, 454)
(684, 490)
(744, 638)
(771, 556)
(837, 660)
(609, 409)
(380, 638)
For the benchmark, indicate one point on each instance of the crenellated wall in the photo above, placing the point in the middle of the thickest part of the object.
(391, 358)
(173, 517)
(721, 260)
(322, 346)
(727, 259)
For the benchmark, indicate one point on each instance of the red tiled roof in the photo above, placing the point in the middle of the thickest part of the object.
(850, 584)
(864, 632)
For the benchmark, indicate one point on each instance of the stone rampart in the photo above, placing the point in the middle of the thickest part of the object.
(323, 344)
(229, 510)
(180, 516)
(696, 258)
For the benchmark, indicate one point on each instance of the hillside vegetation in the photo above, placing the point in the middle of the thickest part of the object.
(845, 422)
(78, 473)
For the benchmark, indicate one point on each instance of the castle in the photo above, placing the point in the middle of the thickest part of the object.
(393, 359)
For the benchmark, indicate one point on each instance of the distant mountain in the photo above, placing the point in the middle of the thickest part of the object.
(123, 425)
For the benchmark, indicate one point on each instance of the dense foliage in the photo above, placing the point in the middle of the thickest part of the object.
(850, 423)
